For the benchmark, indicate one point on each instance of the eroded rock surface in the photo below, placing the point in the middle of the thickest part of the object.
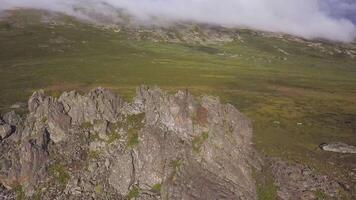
(296, 181)
(98, 146)
(159, 146)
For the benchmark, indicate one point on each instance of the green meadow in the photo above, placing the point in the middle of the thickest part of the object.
(296, 100)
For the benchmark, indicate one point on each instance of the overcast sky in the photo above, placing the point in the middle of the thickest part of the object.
(329, 19)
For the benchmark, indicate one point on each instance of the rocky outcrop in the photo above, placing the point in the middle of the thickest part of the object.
(24, 149)
(296, 181)
(98, 146)
(99, 104)
(159, 146)
(47, 113)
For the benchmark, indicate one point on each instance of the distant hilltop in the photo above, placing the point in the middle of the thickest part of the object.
(179, 32)
(331, 20)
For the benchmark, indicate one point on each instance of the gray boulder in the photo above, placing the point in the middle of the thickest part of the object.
(34, 162)
(122, 173)
(5, 130)
(338, 147)
(51, 112)
(23, 164)
(171, 112)
(12, 118)
(98, 104)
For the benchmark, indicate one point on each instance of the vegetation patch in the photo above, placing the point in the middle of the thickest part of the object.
(320, 195)
(94, 154)
(38, 194)
(54, 93)
(176, 164)
(98, 189)
(113, 136)
(156, 188)
(133, 193)
(86, 125)
(135, 124)
(266, 189)
(136, 121)
(44, 119)
(94, 136)
(60, 173)
(20, 193)
(132, 137)
(198, 141)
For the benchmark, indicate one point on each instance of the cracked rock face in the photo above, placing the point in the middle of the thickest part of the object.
(98, 146)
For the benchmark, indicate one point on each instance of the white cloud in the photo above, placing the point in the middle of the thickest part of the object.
(306, 18)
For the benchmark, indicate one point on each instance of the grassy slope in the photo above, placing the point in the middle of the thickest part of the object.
(309, 87)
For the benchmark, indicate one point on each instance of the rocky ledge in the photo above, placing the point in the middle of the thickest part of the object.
(97, 146)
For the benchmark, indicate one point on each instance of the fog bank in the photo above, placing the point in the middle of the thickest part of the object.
(328, 19)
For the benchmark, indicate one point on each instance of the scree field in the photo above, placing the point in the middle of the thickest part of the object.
(297, 98)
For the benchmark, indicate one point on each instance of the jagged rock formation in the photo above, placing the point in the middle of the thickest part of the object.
(159, 146)
(98, 146)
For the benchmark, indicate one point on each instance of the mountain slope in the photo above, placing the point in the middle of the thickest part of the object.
(298, 93)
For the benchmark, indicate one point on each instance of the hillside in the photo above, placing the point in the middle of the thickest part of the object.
(297, 93)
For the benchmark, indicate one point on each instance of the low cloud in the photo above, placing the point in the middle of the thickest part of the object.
(328, 19)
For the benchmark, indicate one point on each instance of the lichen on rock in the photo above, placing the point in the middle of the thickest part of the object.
(188, 147)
